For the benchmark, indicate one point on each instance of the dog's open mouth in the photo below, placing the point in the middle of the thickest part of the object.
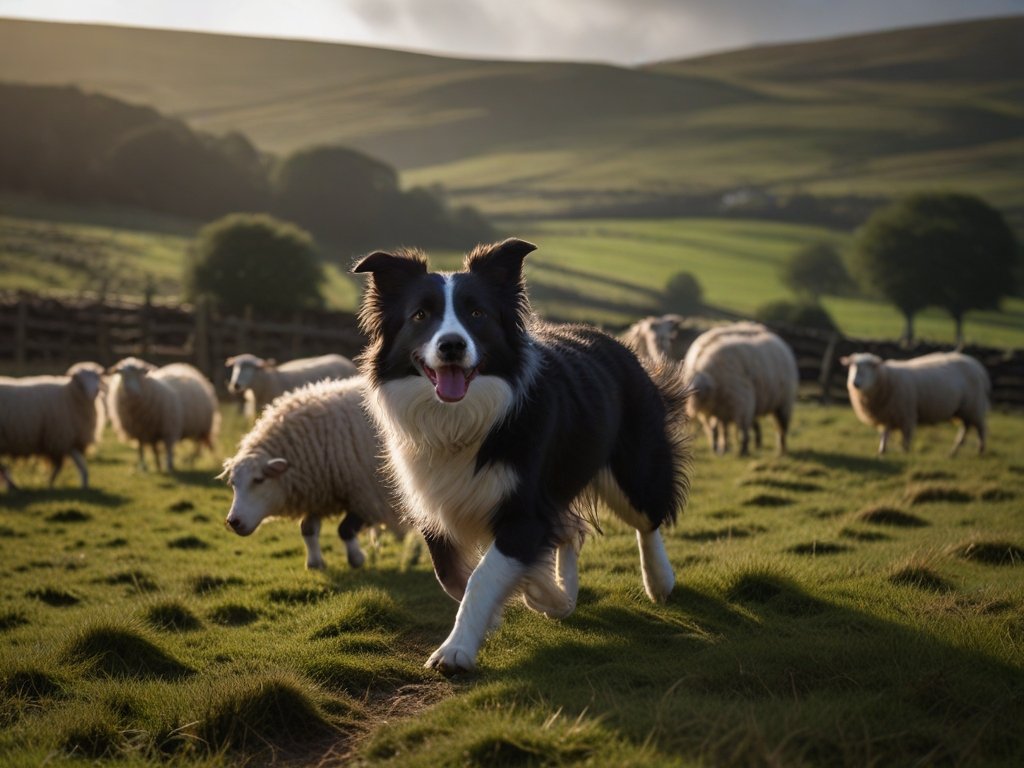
(451, 382)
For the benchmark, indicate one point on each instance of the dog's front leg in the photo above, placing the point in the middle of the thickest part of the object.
(492, 581)
(450, 565)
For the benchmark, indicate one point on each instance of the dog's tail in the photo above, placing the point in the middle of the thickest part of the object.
(667, 375)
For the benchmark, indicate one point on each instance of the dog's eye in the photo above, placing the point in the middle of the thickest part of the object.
(478, 313)
(419, 314)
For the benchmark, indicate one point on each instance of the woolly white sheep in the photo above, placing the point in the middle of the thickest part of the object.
(51, 416)
(651, 338)
(162, 405)
(900, 394)
(263, 380)
(737, 373)
(312, 454)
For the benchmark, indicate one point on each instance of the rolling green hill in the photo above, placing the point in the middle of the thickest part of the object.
(871, 115)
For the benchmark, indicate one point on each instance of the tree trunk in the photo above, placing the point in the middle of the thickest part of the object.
(908, 329)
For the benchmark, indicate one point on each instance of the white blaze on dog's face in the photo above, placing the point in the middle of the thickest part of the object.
(446, 329)
(863, 370)
(258, 493)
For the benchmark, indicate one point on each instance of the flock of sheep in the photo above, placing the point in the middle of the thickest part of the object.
(314, 440)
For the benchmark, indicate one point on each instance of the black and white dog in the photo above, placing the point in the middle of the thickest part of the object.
(501, 430)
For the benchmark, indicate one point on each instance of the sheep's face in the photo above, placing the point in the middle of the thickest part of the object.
(132, 372)
(242, 370)
(864, 371)
(88, 381)
(258, 493)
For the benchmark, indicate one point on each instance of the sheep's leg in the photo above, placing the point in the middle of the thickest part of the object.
(756, 426)
(553, 584)
(142, 457)
(884, 441)
(961, 435)
(908, 434)
(743, 427)
(711, 430)
(722, 432)
(7, 478)
(982, 430)
(310, 527)
(348, 530)
(169, 448)
(83, 469)
(782, 418)
(58, 463)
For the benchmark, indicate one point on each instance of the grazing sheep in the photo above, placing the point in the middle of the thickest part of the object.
(263, 380)
(737, 373)
(312, 454)
(162, 405)
(51, 416)
(900, 394)
(651, 338)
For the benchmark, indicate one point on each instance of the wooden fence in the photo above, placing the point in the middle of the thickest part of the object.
(47, 335)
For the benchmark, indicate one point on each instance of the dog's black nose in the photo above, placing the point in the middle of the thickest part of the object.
(451, 347)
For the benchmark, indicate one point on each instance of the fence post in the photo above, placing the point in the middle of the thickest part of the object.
(825, 376)
(201, 347)
(21, 333)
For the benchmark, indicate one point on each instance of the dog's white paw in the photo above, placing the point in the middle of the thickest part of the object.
(659, 585)
(451, 659)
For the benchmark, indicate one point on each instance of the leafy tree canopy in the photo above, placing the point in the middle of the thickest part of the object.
(254, 260)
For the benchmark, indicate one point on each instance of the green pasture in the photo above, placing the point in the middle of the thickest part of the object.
(832, 609)
(607, 271)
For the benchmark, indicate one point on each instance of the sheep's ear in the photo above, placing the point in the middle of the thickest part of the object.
(230, 362)
(845, 360)
(275, 467)
(502, 261)
(269, 363)
(391, 271)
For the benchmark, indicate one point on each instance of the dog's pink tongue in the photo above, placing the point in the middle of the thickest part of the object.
(451, 383)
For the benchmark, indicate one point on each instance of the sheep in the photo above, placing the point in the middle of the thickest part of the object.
(900, 394)
(162, 405)
(51, 416)
(737, 373)
(313, 453)
(263, 380)
(651, 338)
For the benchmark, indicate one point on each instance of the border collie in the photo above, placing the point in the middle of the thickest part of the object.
(503, 431)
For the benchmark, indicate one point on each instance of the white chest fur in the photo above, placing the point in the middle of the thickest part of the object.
(432, 449)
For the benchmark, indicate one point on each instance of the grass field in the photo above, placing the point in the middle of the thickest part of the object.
(605, 271)
(832, 609)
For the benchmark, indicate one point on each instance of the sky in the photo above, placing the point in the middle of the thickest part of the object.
(617, 31)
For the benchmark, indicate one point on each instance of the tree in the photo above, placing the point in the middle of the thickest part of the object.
(815, 270)
(798, 315)
(936, 249)
(254, 260)
(344, 196)
(978, 258)
(683, 294)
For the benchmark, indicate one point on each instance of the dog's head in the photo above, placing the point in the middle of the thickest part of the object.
(448, 328)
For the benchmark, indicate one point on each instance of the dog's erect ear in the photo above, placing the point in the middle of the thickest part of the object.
(391, 270)
(503, 261)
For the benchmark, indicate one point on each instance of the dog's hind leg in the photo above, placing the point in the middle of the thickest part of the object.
(551, 587)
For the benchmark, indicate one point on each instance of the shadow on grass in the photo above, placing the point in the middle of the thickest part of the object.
(26, 497)
(768, 673)
(868, 465)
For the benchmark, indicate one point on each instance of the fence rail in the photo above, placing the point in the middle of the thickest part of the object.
(39, 334)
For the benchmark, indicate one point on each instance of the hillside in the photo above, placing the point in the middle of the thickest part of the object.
(865, 116)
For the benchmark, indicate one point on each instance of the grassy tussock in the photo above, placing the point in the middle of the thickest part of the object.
(991, 552)
(926, 494)
(117, 651)
(172, 616)
(890, 516)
